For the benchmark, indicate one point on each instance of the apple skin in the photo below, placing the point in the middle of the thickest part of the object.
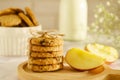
(97, 70)
(82, 70)
(107, 61)
(82, 60)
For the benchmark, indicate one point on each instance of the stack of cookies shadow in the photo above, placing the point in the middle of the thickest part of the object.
(46, 53)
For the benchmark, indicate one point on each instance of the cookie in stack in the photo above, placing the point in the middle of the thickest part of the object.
(46, 52)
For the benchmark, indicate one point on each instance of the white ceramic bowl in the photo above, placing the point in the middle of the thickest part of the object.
(14, 40)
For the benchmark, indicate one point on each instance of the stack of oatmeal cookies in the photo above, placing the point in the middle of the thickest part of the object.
(46, 52)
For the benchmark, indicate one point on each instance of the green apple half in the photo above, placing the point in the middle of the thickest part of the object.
(83, 60)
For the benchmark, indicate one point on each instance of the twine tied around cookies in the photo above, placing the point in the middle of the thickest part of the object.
(46, 33)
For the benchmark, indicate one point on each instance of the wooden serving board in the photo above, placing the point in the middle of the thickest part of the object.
(66, 73)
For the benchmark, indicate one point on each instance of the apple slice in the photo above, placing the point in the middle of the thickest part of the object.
(82, 60)
(109, 53)
(97, 70)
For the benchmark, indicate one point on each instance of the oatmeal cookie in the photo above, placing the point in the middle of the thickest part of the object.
(45, 49)
(46, 41)
(26, 19)
(46, 54)
(45, 61)
(31, 16)
(7, 11)
(45, 68)
(17, 10)
(10, 20)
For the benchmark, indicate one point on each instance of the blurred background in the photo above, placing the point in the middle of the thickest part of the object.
(103, 20)
(47, 11)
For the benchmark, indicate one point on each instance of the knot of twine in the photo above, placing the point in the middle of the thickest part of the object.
(46, 34)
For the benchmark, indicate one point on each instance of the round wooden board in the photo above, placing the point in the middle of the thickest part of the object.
(66, 73)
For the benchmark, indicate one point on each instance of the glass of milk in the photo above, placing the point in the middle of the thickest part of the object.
(73, 19)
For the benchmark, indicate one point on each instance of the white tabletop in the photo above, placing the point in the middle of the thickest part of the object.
(8, 67)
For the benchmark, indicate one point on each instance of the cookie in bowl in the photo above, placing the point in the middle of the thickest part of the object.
(15, 31)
